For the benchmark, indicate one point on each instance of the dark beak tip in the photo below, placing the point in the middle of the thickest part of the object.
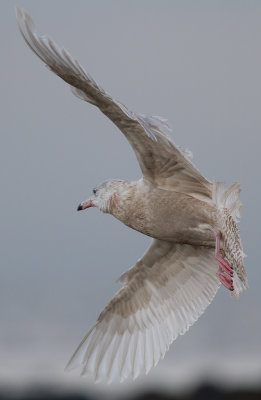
(79, 207)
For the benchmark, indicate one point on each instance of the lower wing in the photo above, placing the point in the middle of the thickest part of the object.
(163, 295)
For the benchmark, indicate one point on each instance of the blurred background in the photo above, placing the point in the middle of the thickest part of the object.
(197, 64)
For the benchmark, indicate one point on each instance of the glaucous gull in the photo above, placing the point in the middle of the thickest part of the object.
(193, 223)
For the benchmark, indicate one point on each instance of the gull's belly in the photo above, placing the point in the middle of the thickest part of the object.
(175, 217)
(199, 234)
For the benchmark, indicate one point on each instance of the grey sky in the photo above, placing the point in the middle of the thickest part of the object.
(197, 64)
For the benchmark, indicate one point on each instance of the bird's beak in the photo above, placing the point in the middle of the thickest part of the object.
(85, 204)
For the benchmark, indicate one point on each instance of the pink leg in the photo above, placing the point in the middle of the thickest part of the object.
(225, 271)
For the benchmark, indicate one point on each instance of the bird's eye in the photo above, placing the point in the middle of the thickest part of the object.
(94, 191)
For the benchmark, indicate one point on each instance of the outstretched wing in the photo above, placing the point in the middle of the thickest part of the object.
(161, 162)
(163, 294)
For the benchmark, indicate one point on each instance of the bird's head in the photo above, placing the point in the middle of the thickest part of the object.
(105, 196)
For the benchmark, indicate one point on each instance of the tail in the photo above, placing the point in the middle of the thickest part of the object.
(228, 198)
(229, 205)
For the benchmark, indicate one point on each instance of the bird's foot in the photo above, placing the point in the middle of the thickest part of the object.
(225, 279)
(225, 270)
(224, 265)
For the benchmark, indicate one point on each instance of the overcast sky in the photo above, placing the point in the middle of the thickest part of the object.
(197, 64)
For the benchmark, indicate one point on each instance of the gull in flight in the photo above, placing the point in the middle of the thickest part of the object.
(193, 223)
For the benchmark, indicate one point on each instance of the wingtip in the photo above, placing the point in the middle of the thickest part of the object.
(28, 21)
(68, 367)
(18, 12)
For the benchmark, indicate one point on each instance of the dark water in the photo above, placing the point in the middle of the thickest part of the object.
(203, 392)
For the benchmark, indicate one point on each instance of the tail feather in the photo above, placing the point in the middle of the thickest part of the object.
(228, 198)
(229, 206)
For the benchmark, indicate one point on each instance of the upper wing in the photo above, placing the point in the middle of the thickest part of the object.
(161, 162)
(163, 294)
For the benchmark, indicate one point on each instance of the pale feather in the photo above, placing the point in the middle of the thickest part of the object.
(163, 295)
